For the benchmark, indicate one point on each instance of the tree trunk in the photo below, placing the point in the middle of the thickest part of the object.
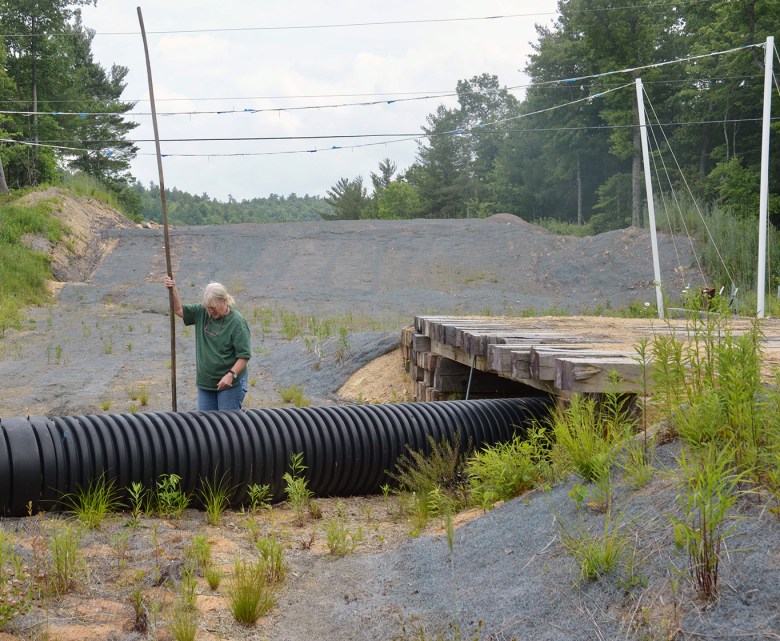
(579, 192)
(3, 184)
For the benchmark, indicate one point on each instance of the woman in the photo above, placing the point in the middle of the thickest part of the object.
(222, 347)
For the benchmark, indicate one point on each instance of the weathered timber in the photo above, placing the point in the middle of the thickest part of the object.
(543, 358)
(592, 374)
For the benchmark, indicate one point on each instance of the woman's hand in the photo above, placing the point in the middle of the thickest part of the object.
(225, 382)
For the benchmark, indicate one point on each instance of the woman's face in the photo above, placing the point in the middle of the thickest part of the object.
(217, 309)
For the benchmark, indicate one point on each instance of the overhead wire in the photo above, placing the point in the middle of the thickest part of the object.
(372, 23)
(693, 199)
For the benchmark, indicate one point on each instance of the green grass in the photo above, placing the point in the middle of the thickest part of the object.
(214, 496)
(91, 505)
(294, 394)
(247, 594)
(23, 272)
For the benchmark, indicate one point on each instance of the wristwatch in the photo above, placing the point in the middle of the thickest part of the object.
(235, 376)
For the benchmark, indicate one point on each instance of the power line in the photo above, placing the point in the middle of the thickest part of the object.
(362, 24)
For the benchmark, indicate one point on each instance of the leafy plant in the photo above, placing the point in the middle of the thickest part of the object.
(213, 576)
(66, 562)
(171, 500)
(294, 395)
(708, 492)
(272, 553)
(438, 473)
(586, 436)
(259, 497)
(296, 487)
(200, 551)
(340, 539)
(18, 584)
(247, 594)
(505, 470)
(140, 611)
(138, 495)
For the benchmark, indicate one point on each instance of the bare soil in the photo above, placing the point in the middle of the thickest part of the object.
(105, 336)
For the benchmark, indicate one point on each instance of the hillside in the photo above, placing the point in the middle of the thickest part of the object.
(300, 285)
(104, 341)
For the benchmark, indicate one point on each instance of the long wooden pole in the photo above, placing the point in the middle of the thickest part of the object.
(164, 211)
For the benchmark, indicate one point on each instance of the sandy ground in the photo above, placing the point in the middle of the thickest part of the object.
(105, 339)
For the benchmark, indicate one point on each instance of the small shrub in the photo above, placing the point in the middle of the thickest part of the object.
(66, 562)
(296, 487)
(184, 624)
(707, 495)
(200, 551)
(259, 497)
(294, 395)
(340, 539)
(171, 500)
(272, 553)
(247, 594)
(505, 470)
(213, 576)
(586, 440)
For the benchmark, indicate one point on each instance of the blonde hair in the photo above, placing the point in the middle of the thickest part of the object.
(216, 292)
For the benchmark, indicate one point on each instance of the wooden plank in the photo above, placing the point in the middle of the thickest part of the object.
(421, 343)
(592, 374)
(543, 357)
(457, 355)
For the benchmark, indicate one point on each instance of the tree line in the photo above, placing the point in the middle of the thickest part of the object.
(62, 110)
(568, 148)
(184, 208)
(577, 156)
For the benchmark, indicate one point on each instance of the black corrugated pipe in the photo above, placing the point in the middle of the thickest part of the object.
(347, 449)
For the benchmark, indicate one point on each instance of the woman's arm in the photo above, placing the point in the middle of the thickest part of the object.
(177, 308)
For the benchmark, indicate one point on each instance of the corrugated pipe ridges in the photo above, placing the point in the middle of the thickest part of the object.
(347, 449)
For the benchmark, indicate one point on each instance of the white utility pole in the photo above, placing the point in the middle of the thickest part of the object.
(650, 204)
(764, 193)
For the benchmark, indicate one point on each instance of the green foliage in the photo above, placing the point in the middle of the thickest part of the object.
(191, 209)
(259, 496)
(170, 499)
(436, 476)
(247, 594)
(708, 492)
(294, 394)
(505, 470)
(597, 554)
(18, 585)
(272, 553)
(588, 435)
(93, 504)
(214, 496)
(340, 539)
(23, 272)
(297, 488)
(200, 552)
(349, 199)
(66, 562)
(184, 624)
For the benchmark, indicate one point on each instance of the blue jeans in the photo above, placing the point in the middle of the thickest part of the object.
(227, 399)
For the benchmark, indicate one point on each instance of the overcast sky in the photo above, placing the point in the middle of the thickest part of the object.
(247, 54)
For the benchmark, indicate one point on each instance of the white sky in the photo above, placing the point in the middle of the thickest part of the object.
(235, 67)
